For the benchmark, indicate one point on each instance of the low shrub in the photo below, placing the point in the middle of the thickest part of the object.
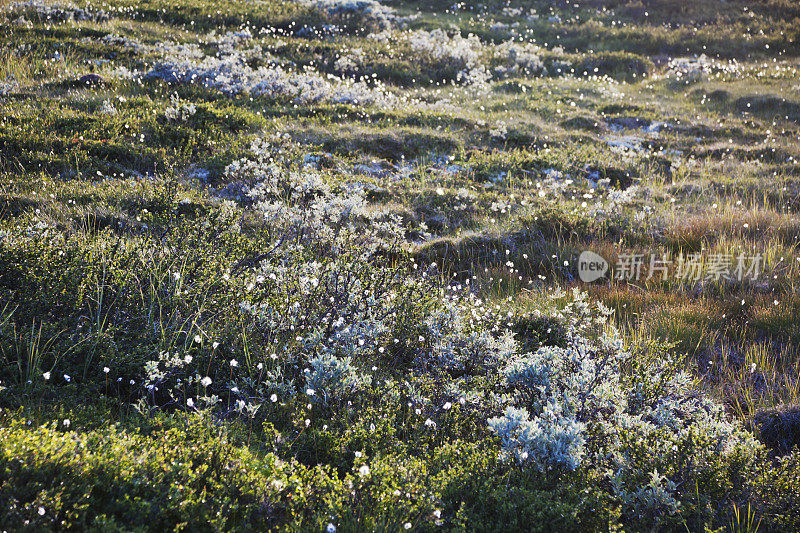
(623, 66)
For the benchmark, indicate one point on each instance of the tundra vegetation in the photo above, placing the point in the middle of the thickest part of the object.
(312, 265)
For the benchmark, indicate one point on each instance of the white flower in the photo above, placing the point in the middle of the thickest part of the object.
(310, 392)
(67, 378)
(330, 529)
(106, 369)
(363, 471)
(66, 422)
(234, 362)
(206, 381)
(190, 402)
(447, 406)
(273, 398)
(46, 376)
(407, 525)
(41, 511)
(198, 339)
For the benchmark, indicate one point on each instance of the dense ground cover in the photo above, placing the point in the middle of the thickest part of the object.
(315, 265)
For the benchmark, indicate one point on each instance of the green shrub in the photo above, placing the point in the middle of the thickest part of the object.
(775, 493)
(618, 65)
(191, 477)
